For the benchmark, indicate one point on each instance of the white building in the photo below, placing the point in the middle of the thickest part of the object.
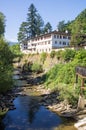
(46, 42)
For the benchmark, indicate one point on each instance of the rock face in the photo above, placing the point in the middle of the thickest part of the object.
(81, 124)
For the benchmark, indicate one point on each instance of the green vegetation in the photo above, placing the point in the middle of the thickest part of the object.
(2, 24)
(52, 54)
(37, 68)
(15, 49)
(43, 57)
(32, 67)
(62, 76)
(34, 25)
(6, 58)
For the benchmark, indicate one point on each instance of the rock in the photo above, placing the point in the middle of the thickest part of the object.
(81, 103)
(81, 124)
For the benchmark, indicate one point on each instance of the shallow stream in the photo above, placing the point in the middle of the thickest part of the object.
(29, 115)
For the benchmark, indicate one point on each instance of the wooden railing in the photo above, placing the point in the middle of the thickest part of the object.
(81, 71)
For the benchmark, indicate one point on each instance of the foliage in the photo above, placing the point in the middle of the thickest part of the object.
(33, 25)
(78, 28)
(34, 21)
(62, 76)
(36, 68)
(43, 57)
(62, 26)
(2, 24)
(15, 49)
(59, 54)
(52, 54)
(68, 93)
(6, 58)
(68, 55)
(47, 28)
(23, 32)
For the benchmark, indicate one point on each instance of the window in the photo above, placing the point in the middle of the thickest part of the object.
(25, 48)
(49, 49)
(60, 36)
(64, 43)
(69, 37)
(57, 36)
(48, 42)
(64, 37)
(55, 42)
(68, 43)
(54, 36)
(60, 42)
(45, 43)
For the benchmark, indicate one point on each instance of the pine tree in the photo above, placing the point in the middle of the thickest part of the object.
(33, 25)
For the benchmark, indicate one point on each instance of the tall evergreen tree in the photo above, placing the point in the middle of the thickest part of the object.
(47, 28)
(23, 32)
(33, 25)
(61, 26)
(34, 20)
(40, 25)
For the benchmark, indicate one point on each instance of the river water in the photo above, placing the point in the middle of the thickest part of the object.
(29, 115)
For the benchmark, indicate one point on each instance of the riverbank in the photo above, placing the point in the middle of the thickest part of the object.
(47, 98)
(50, 99)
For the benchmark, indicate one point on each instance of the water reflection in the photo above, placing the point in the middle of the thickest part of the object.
(29, 115)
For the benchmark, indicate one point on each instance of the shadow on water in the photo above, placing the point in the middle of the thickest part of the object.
(29, 115)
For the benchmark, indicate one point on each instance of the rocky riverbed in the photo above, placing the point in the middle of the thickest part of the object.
(47, 98)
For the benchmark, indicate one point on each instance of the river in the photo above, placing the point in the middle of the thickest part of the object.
(29, 115)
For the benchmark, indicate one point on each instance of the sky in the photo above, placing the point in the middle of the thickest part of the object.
(52, 11)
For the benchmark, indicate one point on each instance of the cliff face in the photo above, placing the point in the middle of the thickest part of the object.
(48, 62)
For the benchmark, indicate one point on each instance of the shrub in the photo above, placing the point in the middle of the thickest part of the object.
(43, 57)
(36, 68)
(52, 54)
(68, 93)
(59, 55)
(69, 55)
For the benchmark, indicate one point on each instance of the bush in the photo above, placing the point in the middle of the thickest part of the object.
(59, 55)
(52, 54)
(68, 93)
(69, 55)
(43, 57)
(37, 68)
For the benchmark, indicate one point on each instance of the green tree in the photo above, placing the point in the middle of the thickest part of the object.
(23, 32)
(79, 28)
(61, 26)
(2, 24)
(6, 58)
(15, 49)
(33, 25)
(39, 25)
(34, 21)
(47, 28)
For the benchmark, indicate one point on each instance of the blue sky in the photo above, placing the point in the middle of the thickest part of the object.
(52, 11)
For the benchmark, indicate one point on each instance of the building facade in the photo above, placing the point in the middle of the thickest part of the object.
(46, 42)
